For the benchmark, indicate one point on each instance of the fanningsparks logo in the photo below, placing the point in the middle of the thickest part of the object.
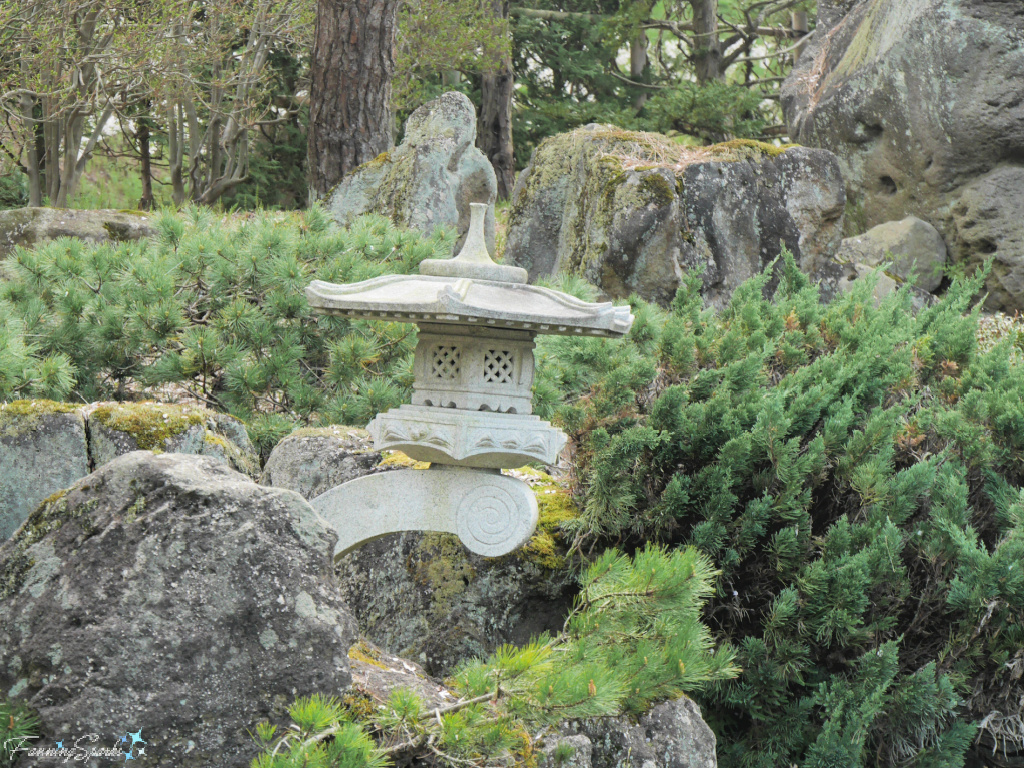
(127, 746)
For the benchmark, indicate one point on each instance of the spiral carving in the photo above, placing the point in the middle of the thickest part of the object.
(491, 521)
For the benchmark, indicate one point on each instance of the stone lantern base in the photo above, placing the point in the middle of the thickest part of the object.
(478, 439)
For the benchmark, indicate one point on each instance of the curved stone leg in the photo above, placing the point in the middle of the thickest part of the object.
(492, 514)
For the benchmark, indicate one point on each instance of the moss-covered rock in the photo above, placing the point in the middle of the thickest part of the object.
(423, 595)
(119, 428)
(430, 179)
(42, 450)
(629, 211)
(47, 446)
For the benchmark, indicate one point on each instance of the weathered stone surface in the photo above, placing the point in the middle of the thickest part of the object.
(423, 596)
(42, 450)
(923, 103)
(430, 179)
(46, 447)
(312, 461)
(29, 226)
(885, 284)
(630, 212)
(566, 752)
(671, 735)
(171, 594)
(376, 674)
(987, 222)
(914, 248)
(119, 428)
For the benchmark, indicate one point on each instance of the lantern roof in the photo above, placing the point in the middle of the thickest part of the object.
(470, 290)
(465, 301)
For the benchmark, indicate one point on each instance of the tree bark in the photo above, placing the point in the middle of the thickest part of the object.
(353, 62)
(799, 19)
(146, 169)
(494, 126)
(32, 153)
(637, 65)
(707, 54)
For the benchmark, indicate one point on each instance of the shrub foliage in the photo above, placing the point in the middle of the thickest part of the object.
(634, 637)
(855, 472)
(216, 312)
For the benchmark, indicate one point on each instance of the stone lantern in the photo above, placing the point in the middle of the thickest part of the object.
(470, 414)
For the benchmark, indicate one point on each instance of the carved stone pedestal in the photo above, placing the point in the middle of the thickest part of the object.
(491, 514)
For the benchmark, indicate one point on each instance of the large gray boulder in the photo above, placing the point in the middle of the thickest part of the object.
(923, 103)
(29, 226)
(630, 211)
(430, 179)
(913, 248)
(170, 594)
(422, 595)
(43, 450)
(671, 735)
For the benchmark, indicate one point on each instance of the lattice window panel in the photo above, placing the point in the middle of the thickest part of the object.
(498, 366)
(445, 363)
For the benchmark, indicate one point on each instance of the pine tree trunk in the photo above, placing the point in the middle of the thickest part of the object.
(494, 128)
(350, 119)
(146, 201)
(708, 53)
(637, 65)
(35, 185)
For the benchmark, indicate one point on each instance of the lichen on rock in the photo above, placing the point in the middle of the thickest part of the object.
(630, 211)
(149, 424)
(430, 179)
(22, 416)
(119, 428)
(43, 449)
(173, 591)
(922, 101)
(424, 596)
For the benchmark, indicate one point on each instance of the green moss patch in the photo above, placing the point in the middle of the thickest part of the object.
(656, 188)
(384, 158)
(49, 516)
(22, 415)
(362, 651)
(149, 423)
(555, 507)
(399, 459)
(746, 149)
(440, 565)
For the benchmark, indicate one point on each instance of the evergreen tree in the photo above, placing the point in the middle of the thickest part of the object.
(855, 472)
(219, 311)
(633, 638)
